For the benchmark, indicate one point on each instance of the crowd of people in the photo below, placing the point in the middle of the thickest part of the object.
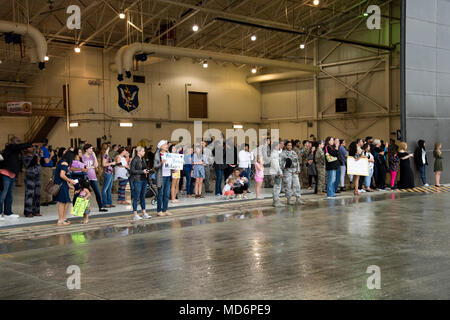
(285, 166)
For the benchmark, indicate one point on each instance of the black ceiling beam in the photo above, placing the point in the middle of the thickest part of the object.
(298, 32)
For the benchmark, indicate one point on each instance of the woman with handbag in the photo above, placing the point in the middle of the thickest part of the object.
(61, 182)
(332, 164)
(355, 151)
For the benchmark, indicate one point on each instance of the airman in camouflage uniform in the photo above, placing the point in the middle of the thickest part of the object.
(291, 169)
(304, 163)
(320, 165)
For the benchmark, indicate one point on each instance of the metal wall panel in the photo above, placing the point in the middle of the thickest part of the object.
(428, 79)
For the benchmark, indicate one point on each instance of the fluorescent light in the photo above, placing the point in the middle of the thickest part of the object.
(126, 124)
(195, 28)
(122, 15)
(238, 126)
(253, 37)
(77, 49)
(74, 124)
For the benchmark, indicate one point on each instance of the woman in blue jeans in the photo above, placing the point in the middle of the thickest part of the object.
(90, 160)
(138, 174)
(331, 165)
(187, 172)
(108, 176)
(368, 154)
(163, 178)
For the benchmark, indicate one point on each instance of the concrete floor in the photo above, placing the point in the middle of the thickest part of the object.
(317, 251)
(50, 213)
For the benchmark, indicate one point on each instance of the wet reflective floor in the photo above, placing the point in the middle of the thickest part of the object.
(321, 250)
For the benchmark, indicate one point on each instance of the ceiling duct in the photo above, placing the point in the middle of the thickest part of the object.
(167, 51)
(33, 33)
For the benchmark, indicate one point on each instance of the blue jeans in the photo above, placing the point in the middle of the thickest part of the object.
(189, 180)
(330, 183)
(219, 178)
(164, 194)
(368, 179)
(98, 196)
(6, 197)
(246, 173)
(139, 189)
(106, 191)
(336, 182)
(423, 173)
(131, 188)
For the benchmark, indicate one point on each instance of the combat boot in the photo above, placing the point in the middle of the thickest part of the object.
(278, 204)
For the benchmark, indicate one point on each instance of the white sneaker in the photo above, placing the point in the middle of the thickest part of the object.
(146, 216)
(362, 191)
(13, 216)
(137, 218)
(2, 219)
(426, 185)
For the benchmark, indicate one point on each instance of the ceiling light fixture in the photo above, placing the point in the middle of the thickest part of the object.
(77, 49)
(46, 58)
(316, 2)
(302, 46)
(74, 124)
(195, 28)
(238, 126)
(253, 37)
(126, 124)
(122, 15)
(254, 70)
(205, 64)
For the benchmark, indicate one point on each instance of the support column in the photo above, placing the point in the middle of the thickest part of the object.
(316, 88)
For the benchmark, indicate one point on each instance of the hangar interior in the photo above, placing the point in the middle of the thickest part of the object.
(332, 54)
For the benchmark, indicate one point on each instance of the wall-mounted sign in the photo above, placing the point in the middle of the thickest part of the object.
(19, 107)
(128, 97)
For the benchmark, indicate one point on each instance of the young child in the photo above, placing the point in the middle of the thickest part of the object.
(227, 191)
(259, 176)
(83, 192)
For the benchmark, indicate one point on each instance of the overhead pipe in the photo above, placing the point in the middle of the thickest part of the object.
(33, 33)
(118, 59)
(277, 76)
(150, 60)
(159, 50)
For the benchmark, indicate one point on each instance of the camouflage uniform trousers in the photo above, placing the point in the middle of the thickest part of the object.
(291, 183)
(276, 188)
(321, 179)
(304, 175)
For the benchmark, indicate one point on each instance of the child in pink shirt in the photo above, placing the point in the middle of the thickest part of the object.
(259, 176)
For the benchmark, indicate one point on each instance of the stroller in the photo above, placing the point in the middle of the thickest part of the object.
(152, 190)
